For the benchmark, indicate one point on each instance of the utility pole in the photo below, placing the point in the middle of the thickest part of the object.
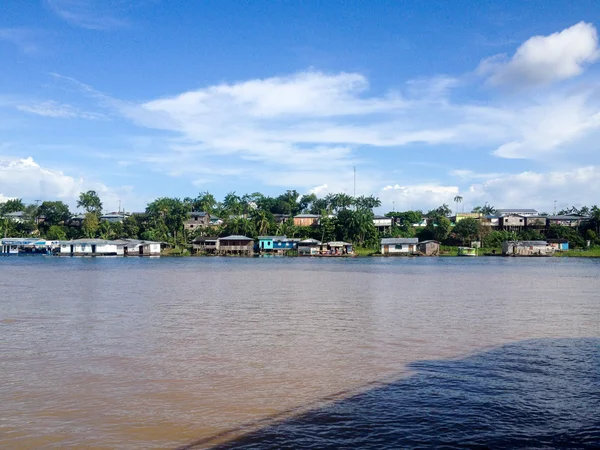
(393, 205)
(554, 207)
(119, 207)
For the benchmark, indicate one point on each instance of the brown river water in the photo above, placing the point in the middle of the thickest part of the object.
(136, 353)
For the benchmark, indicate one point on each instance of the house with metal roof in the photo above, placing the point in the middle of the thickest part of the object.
(205, 244)
(91, 247)
(429, 248)
(307, 220)
(399, 246)
(197, 219)
(235, 245)
(18, 216)
(278, 244)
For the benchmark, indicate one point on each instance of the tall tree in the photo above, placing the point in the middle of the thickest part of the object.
(457, 199)
(467, 229)
(90, 224)
(367, 203)
(90, 201)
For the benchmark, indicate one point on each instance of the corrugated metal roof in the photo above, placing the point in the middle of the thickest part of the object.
(272, 238)
(394, 241)
(307, 216)
(517, 210)
(235, 237)
(529, 243)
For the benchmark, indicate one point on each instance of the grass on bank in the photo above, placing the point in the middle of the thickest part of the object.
(593, 252)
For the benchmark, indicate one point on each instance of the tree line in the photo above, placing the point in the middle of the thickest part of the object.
(343, 218)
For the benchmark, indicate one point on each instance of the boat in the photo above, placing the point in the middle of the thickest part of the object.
(467, 251)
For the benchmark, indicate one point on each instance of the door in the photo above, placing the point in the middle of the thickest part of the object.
(93, 248)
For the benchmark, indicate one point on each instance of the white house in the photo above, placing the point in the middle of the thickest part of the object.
(92, 247)
(397, 246)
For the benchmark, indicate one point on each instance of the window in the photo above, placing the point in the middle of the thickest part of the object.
(398, 247)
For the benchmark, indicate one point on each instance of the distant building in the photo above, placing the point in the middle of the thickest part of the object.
(18, 216)
(429, 248)
(527, 248)
(565, 221)
(460, 216)
(101, 247)
(114, 217)
(336, 248)
(517, 211)
(490, 221)
(383, 223)
(197, 219)
(536, 222)
(398, 246)
(307, 220)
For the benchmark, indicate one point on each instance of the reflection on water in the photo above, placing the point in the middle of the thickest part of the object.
(139, 353)
(540, 393)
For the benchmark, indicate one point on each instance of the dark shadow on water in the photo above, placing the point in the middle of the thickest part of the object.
(542, 393)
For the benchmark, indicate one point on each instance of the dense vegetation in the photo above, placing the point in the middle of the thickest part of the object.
(343, 218)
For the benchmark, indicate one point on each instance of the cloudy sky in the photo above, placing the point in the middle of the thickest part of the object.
(497, 102)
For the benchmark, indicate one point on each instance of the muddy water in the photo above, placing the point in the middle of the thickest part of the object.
(159, 353)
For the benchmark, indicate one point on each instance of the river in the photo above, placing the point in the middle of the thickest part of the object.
(141, 353)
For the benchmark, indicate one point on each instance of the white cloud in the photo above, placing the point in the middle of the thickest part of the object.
(90, 14)
(55, 109)
(423, 196)
(578, 187)
(23, 38)
(24, 178)
(544, 59)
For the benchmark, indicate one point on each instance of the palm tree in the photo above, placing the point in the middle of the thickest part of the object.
(458, 199)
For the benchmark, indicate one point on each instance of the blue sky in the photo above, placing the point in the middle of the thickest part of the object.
(497, 102)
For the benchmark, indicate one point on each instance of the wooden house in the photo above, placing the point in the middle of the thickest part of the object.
(235, 245)
(205, 244)
(512, 222)
(307, 220)
(527, 248)
(429, 248)
(336, 248)
(399, 246)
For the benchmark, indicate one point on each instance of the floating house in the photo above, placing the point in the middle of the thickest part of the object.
(527, 248)
(336, 248)
(399, 246)
(429, 248)
(235, 245)
(308, 247)
(91, 247)
(101, 247)
(275, 244)
(16, 246)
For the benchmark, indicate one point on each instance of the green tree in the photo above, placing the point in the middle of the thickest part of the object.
(56, 233)
(11, 206)
(367, 202)
(457, 199)
(54, 213)
(90, 201)
(131, 227)
(440, 211)
(90, 225)
(440, 228)
(205, 202)
(467, 229)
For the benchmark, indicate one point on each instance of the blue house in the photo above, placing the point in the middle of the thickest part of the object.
(275, 243)
(558, 244)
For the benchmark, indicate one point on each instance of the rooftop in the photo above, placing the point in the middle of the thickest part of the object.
(235, 237)
(307, 216)
(394, 241)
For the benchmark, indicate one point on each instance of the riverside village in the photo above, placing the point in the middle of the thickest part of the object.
(292, 224)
